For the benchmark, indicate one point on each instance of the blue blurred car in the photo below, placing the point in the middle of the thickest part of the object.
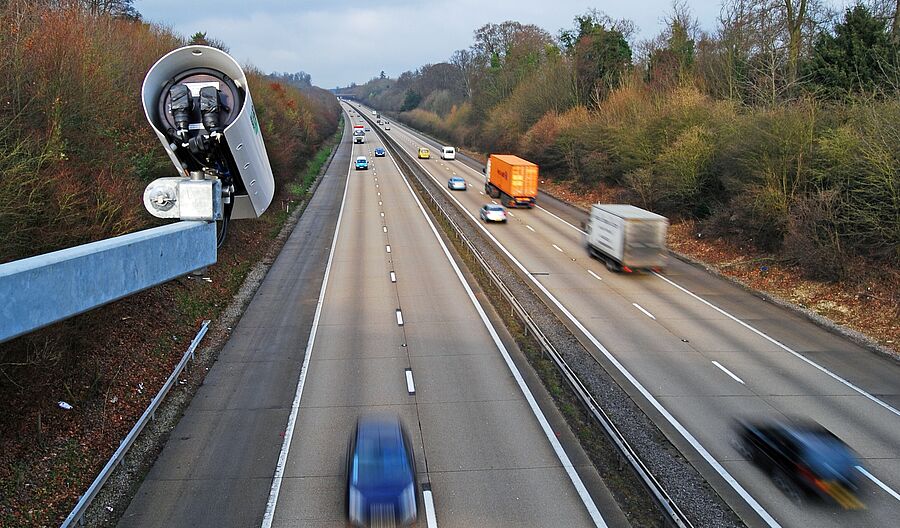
(379, 152)
(381, 473)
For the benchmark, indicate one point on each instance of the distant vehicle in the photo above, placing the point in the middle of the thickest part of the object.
(368, 130)
(359, 134)
(362, 163)
(448, 153)
(379, 152)
(382, 489)
(387, 126)
(457, 184)
(374, 112)
(511, 179)
(627, 238)
(804, 459)
(424, 153)
(493, 213)
(378, 122)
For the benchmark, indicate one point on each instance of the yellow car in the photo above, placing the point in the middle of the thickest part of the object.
(424, 153)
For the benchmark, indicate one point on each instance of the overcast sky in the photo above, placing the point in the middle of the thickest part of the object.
(343, 41)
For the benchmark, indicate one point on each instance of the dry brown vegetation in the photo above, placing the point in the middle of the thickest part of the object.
(75, 155)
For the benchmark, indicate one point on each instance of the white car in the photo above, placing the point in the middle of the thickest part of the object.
(493, 213)
(448, 153)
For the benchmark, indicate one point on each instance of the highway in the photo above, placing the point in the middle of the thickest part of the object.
(696, 352)
(366, 310)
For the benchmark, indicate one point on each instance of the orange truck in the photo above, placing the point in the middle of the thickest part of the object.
(511, 179)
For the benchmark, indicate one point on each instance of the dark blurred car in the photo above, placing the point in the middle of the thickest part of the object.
(381, 473)
(804, 459)
(379, 152)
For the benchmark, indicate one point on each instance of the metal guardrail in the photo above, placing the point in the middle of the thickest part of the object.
(77, 514)
(676, 515)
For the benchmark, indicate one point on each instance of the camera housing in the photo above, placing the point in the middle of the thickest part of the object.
(198, 102)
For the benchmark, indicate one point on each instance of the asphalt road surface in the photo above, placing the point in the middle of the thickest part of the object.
(696, 352)
(264, 440)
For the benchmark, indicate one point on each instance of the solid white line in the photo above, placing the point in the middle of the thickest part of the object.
(410, 385)
(707, 456)
(393, 277)
(399, 318)
(530, 228)
(641, 308)
(387, 248)
(726, 371)
(430, 517)
(557, 248)
(592, 509)
(880, 484)
(783, 347)
(594, 275)
(272, 502)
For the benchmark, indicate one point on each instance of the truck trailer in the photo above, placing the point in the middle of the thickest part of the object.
(511, 179)
(627, 238)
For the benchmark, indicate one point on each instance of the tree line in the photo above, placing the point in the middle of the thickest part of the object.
(778, 127)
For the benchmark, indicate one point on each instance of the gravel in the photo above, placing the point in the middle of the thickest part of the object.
(684, 484)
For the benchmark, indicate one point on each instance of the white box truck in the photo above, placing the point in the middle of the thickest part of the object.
(627, 238)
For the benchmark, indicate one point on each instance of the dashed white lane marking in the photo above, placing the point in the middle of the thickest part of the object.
(430, 517)
(384, 228)
(557, 248)
(410, 385)
(387, 248)
(561, 454)
(880, 484)
(379, 203)
(399, 318)
(641, 308)
(530, 228)
(382, 215)
(594, 275)
(726, 371)
(784, 347)
(494, 202)
(272, 502)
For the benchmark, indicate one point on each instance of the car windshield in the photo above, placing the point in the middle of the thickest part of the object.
(495, 208)
(380, 460)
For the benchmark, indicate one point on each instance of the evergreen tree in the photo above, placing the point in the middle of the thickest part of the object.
(859, 57)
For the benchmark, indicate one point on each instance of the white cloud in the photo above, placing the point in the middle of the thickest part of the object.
(338, 41)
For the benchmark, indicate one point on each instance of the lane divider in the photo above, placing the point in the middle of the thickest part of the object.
(690, 438)
(561, 454)
(726, 371)
(641, 308)
(272, 502)
(410, 385)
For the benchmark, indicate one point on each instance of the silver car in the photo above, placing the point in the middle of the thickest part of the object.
(493, 213)
(456, 184)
